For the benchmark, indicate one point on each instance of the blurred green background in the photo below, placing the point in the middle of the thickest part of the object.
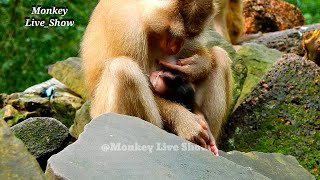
(26, 52)
(309, 8)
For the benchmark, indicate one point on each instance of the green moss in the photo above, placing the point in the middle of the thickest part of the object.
(258, 59)
(65, 113)
(289, 129)
(282, 114)
(41, 135)
(17, 118)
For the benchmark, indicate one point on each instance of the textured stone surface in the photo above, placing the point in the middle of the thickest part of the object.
(281, 114)
(90, 158)
(69, 72)
(20, 106)
(82, 118)
(41, 135)
(270, 16)
(258, 60)
(15, 160)
(272, 165)
(287, 41)
(39, 88)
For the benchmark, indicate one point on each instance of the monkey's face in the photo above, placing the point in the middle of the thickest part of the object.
(158, 83)
(164, 80)
(170, 23)
(165, 27)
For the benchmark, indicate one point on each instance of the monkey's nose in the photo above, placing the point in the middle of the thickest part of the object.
(175, 46)
(174, 50)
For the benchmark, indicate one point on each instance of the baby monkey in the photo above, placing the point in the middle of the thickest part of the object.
(171, 85)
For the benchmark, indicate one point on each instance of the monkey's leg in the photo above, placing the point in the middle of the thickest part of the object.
(180, 121)
(235, 20)
(220, 20)
(213, 95)
(124, 89)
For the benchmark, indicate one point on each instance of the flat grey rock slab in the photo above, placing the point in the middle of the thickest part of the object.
(122, 147)
(272, 165)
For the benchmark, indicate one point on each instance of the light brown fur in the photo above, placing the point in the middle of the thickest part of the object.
(118, 54)
(230, 21)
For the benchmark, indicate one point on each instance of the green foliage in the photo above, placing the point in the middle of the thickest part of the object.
(26, 52)
(309, 8)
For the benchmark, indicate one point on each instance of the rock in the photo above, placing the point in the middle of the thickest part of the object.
(8, 112)
(287, 41)
(15, 160)
(258, 60)
(69, 72)
(62, 107)
(271, 165)
(65, 106)
(2, 99)
(41, 135)
(239, 74)
(212, 38)
(39, 88)
(82, 118)
(270, 16)
(311, 46)
(92, 156)
(282, 114)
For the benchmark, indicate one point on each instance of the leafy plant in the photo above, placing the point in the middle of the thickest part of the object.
(309, 8)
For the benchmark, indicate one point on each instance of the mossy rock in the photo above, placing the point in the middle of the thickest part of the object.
(258, 59)
(69, 72)
(20, 106)
(282, 114)
(16, 161)
(41, 135)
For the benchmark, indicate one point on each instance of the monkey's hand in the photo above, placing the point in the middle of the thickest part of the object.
(211, 143)
(186, 124)
(196, 130)
(194, 68)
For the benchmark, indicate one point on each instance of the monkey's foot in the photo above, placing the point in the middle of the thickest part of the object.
(211, 143)
(213, 148)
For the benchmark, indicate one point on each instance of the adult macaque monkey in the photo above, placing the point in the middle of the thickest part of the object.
(122, 45)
